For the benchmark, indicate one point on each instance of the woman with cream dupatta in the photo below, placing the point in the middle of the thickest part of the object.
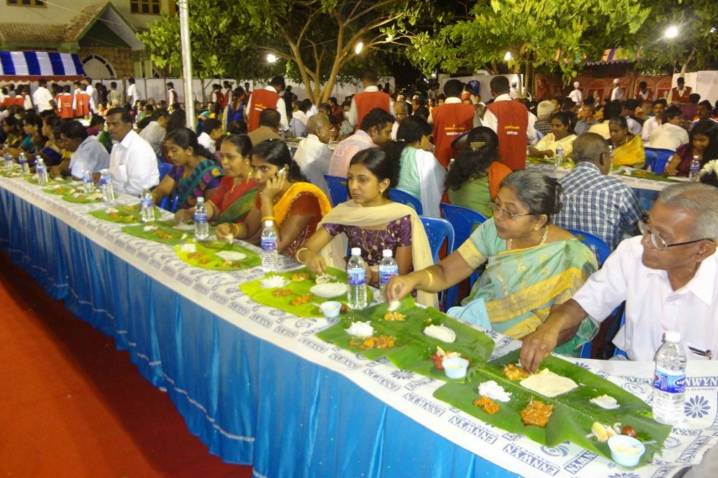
(371, 222)
(295, 206)
(531, 264)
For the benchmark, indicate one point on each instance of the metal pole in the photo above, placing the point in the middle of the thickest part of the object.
(186, 63)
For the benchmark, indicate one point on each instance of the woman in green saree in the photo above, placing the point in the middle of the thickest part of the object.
(530, 264)
(234, 198)
(194, 172)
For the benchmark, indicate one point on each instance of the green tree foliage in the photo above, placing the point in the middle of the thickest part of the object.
(697, 41)
(540, 34)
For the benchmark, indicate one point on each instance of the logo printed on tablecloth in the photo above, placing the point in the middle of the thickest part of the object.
(381, 380)
(531, 459)
(426, 405)
(474, 428)
(580, 461)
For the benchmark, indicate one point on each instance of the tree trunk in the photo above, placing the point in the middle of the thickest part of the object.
(688, 60)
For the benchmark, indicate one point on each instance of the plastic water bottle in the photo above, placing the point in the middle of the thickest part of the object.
(87, 185)
(201, 227)
(694, 172)
(387, 269)
(147, 206)
(41, 171)
(106, 187)
(558, 158)
(8, 161)
(356, 275)
(268, 241)
(22, 161)
(669, 383)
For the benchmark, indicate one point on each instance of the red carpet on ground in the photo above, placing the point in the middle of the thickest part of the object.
(71, 405)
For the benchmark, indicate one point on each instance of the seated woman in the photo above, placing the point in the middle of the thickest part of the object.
(370, 221)
(295, 206)
(476, 173)
(627, 148)
(703, 144)
(421, 175)
(11, 127)
(234, 197)
(531, 264)
(51, 153)
(194, 172)
(562, 124)
(33, 140)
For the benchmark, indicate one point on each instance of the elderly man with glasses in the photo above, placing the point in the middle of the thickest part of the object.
(667, 277)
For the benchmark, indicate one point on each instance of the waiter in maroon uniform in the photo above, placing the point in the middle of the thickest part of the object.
(450, 120)
(680, 94)
(512, 122)
(267, 97)
(368, 99)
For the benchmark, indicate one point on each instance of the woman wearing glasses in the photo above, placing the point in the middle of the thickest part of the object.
(530, 264)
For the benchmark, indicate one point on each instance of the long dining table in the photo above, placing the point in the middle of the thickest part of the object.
(258, 387)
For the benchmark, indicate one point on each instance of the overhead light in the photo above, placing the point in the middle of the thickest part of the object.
(272, 58)
(671, 32)
(508, 56)
(713, 29)
(433, 75)
(358, 47)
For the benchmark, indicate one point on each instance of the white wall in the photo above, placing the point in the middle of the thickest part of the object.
(705, 83)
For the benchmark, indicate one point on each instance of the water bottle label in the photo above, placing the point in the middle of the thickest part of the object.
(386, 273)
(269, 245)
(669, 382)
(357, 276)
(200, 218)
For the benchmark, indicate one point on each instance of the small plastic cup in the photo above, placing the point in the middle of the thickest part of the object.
(331, 309)
(455, 367)
(625, 450)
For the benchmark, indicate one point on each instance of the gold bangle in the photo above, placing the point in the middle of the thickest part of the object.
(431, 277)
(267, 218)
(296, 255)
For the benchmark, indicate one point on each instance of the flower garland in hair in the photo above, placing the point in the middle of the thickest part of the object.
(711, 167)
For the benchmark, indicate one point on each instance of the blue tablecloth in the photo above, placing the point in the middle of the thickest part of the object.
(254, 384)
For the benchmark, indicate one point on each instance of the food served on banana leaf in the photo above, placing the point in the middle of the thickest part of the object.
(494, 391)
(515, 372)
(378, 342)
(536, 413)
(361, 329)
(605, 401)
(440, 355)
(548, 383)
(300, 276)
(488, 405)
(440, 332)
(394, 317)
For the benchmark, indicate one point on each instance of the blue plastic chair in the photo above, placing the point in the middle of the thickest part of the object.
(337, 189)
(403, 197)
(657, 159)
(597, 245)
(464, 221)
(437, 231)
(164, 169)
(169, 203)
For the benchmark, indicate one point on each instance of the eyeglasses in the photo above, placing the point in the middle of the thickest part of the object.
(505, 212)
(657, 241)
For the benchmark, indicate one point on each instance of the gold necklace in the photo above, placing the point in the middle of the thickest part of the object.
(510, 242)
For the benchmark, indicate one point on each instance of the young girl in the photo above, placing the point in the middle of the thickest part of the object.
(295, 206)
(370, 221)
(703, 143)
(233, 199)
(194, 172)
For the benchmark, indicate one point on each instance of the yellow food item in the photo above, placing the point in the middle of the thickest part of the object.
(378, 342)
(488, 405)
(602, 432)
(514, 372)
(536, 413)
(394, 317)
(300, 276)
(301, 299)
(282, 292)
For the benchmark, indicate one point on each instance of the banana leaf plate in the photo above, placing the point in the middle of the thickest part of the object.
(161, 231)
(81, 197)
(208, 255)
(124, 214)
(412, 350)
(573, 413)
(294, 296)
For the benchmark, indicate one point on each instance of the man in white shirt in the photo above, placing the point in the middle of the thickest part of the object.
(154, 133)
(43, 98)
(375, 130)
(576, 95)
(313, 155)
(211, 134)
(91, 92)
(132, 93)
(616, 93)
(659, 106)
(671, 134)
(668, 278)
(88, 154)
(133, 164)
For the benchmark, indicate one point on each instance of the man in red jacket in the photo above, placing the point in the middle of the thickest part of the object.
(450, 120)
(267, 97)
(512, 122)
(365, 101)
